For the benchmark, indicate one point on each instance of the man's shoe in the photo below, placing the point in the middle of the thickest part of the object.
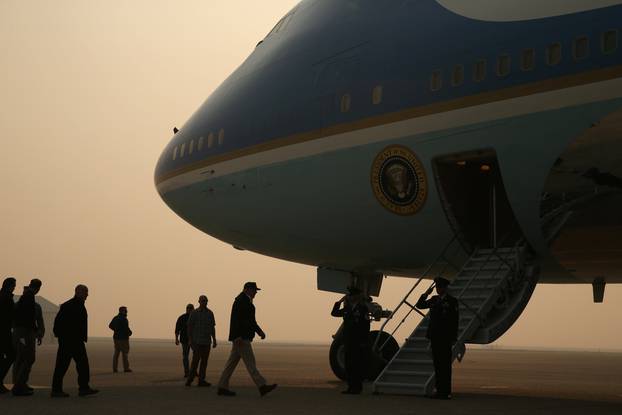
(87, 392)
(225, 392)
(3, 389)
(204, 384)
(128, 370)
(266, 389)
(22, 392)
(59, 394)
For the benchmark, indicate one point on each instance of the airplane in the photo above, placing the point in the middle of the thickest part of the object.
(408, 137)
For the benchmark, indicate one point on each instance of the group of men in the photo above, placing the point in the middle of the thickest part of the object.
(196, 330)
(442, 332)
(22, 327)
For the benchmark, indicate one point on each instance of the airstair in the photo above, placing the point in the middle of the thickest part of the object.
(492, 287)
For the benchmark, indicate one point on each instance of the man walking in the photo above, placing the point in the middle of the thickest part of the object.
(201, 336)
(71, 329)
(7, 353)
(24, 338)
(356, 323)
(121, 338)
(442, 332)
(241, 332)
(181, 336)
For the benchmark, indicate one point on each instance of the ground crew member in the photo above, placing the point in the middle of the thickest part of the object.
(181, 336)
(201, 336)
(24, 338)
(442, 333)
(7, 352)
(121, 337)
(355, 313)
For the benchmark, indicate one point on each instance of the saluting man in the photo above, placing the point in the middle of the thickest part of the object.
(355, 313)
(442, 332)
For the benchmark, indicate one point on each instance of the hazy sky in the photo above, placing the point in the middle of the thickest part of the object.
(89, 93)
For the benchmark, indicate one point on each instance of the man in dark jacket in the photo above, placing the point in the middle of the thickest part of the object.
(121, 337)
(7, 353)
(241, 332)
(71, 329)
(442, 332)
(24, 338)
(356, 323)
(181, 336)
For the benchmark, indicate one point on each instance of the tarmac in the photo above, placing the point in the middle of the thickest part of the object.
(488, 381)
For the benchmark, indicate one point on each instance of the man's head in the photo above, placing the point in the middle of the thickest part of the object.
(250, 289)
(123, 310)
(355, 295)
(441, 285)
(8, 285)
(82, 292)
(189, 308)
(203, 301)
(35, 285)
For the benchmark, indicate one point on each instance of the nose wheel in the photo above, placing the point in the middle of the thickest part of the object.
(376, 361)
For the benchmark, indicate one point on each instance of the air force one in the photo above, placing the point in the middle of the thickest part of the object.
(481, 140)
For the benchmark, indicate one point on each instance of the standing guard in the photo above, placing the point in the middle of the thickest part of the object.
(355, 313)
(442, 333)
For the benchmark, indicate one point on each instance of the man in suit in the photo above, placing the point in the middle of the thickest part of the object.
(181, 337)
(71, 329)
(7, 352)
(24, 338)
(442, 332)
(356, 323)
(241, 332)
(121, 338)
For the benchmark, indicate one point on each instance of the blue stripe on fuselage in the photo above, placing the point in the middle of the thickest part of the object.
(293, 82)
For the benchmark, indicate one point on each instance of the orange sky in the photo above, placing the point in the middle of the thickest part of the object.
(90, 93)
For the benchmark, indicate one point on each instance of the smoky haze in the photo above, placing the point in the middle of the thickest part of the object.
(90, 93)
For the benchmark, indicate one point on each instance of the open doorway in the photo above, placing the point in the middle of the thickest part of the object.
(474, 198)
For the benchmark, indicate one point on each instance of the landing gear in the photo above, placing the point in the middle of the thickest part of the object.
(377, 359)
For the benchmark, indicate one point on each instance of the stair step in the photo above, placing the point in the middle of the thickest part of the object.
(414, 361)
(497, 250)
(408, 373)
(488, 267)
(400, 388)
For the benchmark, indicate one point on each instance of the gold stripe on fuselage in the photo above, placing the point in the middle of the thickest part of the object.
(410, 113)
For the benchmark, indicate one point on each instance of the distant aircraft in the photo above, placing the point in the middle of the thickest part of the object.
(408, 137)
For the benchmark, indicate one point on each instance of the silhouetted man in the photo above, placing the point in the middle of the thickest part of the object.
(181, 336)
(24, 338)
(201, 336)
(356, 323)
(241, 332)
(121, 338)
(442, 332)
(71, 329)
(7, 352)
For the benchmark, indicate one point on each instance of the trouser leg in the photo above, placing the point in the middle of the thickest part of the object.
(125, 351)
(246, 352)
(205, 349)
(185, 351)
(354, 366)
(82, 365)
(115, 357)
(24, 341)
(195, 363)
(7, 355)
(63, 358)
(232, 362)
(442, 356)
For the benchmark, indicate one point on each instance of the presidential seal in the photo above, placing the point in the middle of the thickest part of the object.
(399, 181)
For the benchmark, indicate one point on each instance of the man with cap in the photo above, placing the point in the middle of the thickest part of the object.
(181, 337)
(356, 322)
(24, 338)
(241, 332)
(442, 333)
(7, 305)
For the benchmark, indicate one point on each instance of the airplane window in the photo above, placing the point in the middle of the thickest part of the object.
(210, 140)
(610, 41)
(479, 70)
(528, 60)
(182, 152)
(346, 101)
(581, 48)
(554, 54)
(376, 95)
(200, 145)
(175, 153)
(191, 147)
(221, 137)
(436, 80)
(504, 65)
(457, 77)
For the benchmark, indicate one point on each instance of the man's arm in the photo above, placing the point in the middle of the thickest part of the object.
(112, 323)
(337, 310)
(214, 343)
(423, 302)
(40, 324)
(190, 326)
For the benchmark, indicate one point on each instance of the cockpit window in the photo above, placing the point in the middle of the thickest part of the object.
(282, 24)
